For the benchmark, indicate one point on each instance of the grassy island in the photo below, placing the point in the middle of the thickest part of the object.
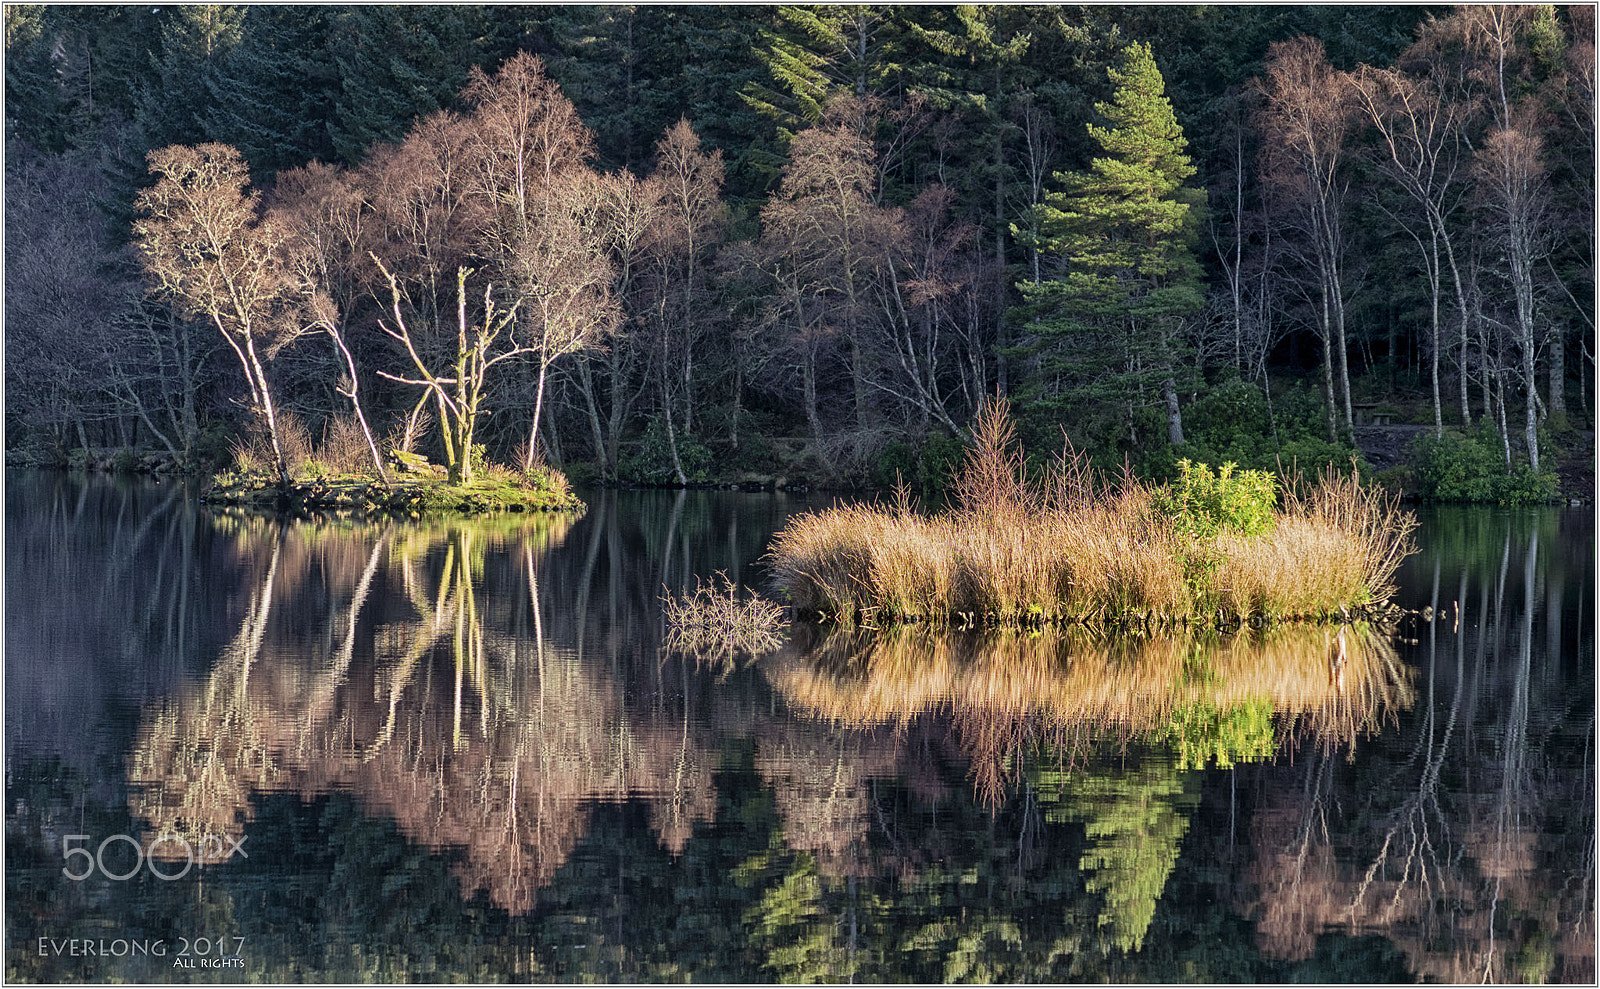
(1060, 543)
(414, 487)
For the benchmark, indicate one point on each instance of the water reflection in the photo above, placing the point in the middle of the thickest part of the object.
(459, 750)
(1471, 846)
(408, 666)
(1331, 682)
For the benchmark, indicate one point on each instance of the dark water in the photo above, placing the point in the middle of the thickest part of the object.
(461, 751)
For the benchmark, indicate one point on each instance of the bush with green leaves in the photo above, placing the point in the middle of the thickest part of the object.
(1204, 502)
(1471, 467)
(1231, 421)
(1226, 410)
(653, 463)
(926, 467)
(1201, 734)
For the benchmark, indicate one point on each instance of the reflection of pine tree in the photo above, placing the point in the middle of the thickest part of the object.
(1135, 822)
(810, 927)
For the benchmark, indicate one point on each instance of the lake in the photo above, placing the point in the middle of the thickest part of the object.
(246, 749)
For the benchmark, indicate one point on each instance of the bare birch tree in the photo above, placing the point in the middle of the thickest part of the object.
(1421, 147)
(1514, 194)
(1307, 119)
(205, 244)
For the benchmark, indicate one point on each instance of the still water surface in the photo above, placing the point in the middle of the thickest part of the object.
(461, 750)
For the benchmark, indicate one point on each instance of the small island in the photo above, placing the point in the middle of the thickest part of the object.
(421, 490)
(412, 487)
(1026, 544)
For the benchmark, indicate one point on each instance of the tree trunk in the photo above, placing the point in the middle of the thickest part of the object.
(190, 417)
(601, 450)
(672, 446)
(738, 398)
(1174, 415)
(666, 416)
(355, 402)
(1327, 391)
(1344, 365)
(859, 380)
(1522, 283)
(266, 406)
(1556, 404)
(1583, 376)
(808, 374)
(538, 410)
(1433, 365)
(1500, 415)
(1461, 310)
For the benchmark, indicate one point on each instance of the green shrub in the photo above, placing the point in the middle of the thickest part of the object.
(1524, 487)
(1471, 467)
(1205, 502)
(938, 459)
(1225, 411)
(1310, 455)
(1230, 421)
(125, 462)
(653, 463)
(582, 472)
(897, 459)
(927, 467)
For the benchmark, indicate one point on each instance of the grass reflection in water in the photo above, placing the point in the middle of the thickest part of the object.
(1067, 683)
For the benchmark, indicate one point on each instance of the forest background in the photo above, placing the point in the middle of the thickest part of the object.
(802, 245)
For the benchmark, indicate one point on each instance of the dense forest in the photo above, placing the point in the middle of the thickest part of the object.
(802, 244)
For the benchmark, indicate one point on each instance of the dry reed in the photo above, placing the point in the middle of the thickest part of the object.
(715, 624)
(344, 447)
(1070, 545)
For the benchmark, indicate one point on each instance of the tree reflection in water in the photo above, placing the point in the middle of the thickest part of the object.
(448, 716)
(1451, 850)
(1038, 707)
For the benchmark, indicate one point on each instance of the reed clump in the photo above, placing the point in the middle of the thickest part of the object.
(1066, 543)
(715, 623)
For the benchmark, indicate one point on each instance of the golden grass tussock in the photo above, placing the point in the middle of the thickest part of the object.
(1065, 544)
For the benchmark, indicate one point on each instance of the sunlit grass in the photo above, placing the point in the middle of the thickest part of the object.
(1066, 544)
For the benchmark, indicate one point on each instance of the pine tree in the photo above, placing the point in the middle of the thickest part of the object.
(396, 64)
(71, 71)
(274, 91)
(817, 53)
(36, 108)
(173, 106)
(1109, 327)
(620, 66)
(717, 67)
